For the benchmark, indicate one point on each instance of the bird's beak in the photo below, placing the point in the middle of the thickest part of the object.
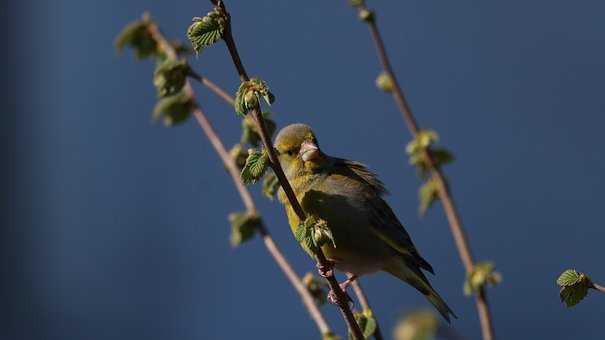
(309, 151)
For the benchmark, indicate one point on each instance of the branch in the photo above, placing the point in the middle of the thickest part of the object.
(365, 307)
(445, 195)
(323, 263)
(273, 249)
(598, 287)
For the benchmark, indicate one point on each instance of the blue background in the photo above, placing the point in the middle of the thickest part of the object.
(116, 227)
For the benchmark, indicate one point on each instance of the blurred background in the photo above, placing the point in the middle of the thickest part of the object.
(116, 228)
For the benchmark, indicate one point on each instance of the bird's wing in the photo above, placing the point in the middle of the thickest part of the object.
(363, 173)
(387, 227)
(383, 222)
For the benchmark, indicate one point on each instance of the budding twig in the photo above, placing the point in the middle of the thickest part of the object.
(445, 195)
(270, 244)
(341, 300)
(365, 306)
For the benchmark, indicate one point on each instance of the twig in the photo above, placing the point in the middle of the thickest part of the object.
(323, 263)
(365, 306)
(445, 195)
(273, 249)
(598, 287)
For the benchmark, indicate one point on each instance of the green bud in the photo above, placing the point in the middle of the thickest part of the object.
(366, 15)
(385, 82)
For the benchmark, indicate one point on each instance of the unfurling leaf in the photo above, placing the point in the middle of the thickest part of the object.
(317, 287)
(238, 155)
(243, 227)
(428, 194)
(207, 30)
(417, 325)
(330, 336)
(174, 109)
(255, 167)
(250, 133)
(482, 274)
(248, 96)
(385, 82)
(270, 185)
(366, 322)
(418, 148)
(136, 35)
(170, 76)
(574, 287)
(312, 233)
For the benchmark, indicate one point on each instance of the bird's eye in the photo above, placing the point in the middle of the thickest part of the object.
(290, 152)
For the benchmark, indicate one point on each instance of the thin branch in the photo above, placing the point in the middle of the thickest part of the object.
(598, 287)
(365, 306)
(220, 149)
(445, 195)
(323, 263)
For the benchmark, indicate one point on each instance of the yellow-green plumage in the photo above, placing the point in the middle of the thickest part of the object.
(368, 237)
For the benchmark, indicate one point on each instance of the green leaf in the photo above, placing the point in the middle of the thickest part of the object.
(417, 325)
(569, 278)
(136, 35)
(385, 82)
(255, 167)
(574, 287)
(304, 236)
(313, 233)
(483, 273)
(317, 287)
(270, 185)
(248, 96)
(428, 194)
(442, 156)
(238, 155)
(418, 148)
(207, 30)
(174, 109)
(243, 227)
(330, 336)
(170, 76)
(366, 322)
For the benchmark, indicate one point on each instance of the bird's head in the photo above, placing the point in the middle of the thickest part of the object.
(298, 150)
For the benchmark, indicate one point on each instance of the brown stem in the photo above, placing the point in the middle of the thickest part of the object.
(365, 306)
(341, 298)
(213, 87)
(598, 287)
(220, 149)
(460, 238)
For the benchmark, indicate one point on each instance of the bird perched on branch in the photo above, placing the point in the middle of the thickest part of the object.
(367, 236)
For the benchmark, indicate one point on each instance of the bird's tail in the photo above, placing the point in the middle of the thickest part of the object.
(411, 274)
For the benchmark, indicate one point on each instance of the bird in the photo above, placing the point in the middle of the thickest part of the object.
(367, 235)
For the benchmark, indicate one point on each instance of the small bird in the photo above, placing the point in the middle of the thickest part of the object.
(367, 235)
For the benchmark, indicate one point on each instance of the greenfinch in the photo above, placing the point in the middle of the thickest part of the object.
(367, 235)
